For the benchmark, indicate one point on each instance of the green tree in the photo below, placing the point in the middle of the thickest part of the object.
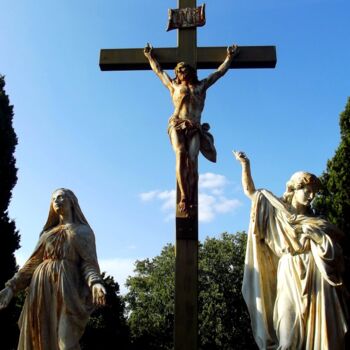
(150, 301)
(334, 200)
(9, 234)
(223, 319)
(107, 327)
(224, 322)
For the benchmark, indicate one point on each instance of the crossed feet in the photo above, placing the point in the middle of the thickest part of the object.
(185, 207)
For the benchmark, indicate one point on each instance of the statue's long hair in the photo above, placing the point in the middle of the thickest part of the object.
(297, 181)
(53, 218)
(192, 70)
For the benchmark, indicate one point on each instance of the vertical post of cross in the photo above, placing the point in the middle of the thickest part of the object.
(187, 38)
(186, 282)
(186, 266)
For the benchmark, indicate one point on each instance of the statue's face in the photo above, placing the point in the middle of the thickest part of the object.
(303, 196)
(184, 72)
(60, 202)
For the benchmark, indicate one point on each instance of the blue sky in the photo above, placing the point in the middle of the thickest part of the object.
(103, 134)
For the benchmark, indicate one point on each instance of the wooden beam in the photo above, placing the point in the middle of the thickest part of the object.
(134, 59)
(249, 57)
(207, 58)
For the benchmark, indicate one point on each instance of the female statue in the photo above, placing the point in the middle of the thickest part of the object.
(63, 280)
(292, 279)
(187, 135)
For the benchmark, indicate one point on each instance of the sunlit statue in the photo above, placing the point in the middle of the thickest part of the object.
(187, 135)
(292, 279)
(63, 280)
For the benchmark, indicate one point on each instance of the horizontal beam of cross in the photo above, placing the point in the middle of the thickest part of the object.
(207, 58)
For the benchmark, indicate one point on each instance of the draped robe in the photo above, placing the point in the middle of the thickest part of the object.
(59, 274)
(292, 284)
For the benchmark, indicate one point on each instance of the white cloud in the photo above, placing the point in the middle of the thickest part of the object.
(211, 205)
(211, 198)
(226, 205)
(148, 196)
(214, 182)
(168, 198)
(205, 208)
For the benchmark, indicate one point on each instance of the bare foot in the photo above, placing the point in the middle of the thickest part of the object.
(183, 205)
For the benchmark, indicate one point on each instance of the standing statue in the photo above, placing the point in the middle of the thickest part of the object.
(292, 278)
(63, 280)
(187, 135)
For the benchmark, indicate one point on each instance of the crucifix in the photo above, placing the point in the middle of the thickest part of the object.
(186, 19)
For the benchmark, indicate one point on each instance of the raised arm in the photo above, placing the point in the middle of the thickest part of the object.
(247, 181)
(163, 76)
(232, 51)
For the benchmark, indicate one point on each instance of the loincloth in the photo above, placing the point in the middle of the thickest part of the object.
(189, 128)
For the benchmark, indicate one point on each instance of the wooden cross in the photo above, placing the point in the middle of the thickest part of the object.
(186, 270)
(187, 50)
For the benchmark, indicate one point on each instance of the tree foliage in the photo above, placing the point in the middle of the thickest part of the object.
(150, 301)
(9, 234)
(223, 319)
(224, 322)
(107, 327)
(334, 200)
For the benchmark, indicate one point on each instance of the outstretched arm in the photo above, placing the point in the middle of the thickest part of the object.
(163, 76)
(23, 277)
(247, 181)
(232, 51)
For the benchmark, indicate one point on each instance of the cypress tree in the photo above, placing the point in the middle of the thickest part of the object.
(9, 237)
(334, 200)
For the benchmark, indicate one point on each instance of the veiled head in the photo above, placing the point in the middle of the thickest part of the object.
(63, 197)
(300, 180)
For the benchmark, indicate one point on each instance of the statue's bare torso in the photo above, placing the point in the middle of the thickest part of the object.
(188, 101)
(188, 96)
